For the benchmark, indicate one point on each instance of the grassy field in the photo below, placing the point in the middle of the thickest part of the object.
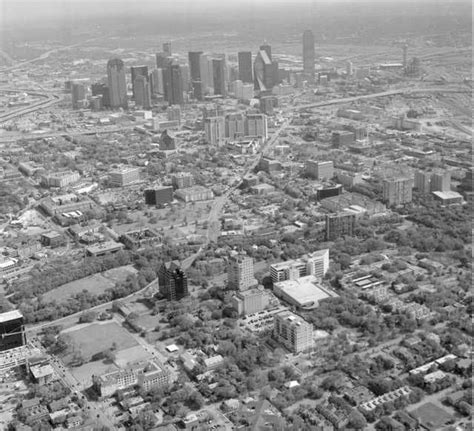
(97, 337)
(97, 284)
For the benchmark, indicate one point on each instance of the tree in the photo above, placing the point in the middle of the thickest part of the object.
(356, 420)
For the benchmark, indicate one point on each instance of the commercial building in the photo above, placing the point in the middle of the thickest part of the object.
(440, 181)
(263, 71)
(136, 71)
(146, 376)
(194, 194)
(308, 54)
(342, 137)
(242, 91)
(240, 274)
(304, 292)
(173, 84)
(60, 179)
(219, 78)
(103, 248)
(182, 180)
(292, 331)
(214, 128)
(449, 197)
(340, 224)
(78, 94)
(269, 165)
(316, 264)
(142, 92)
(250, 301)
(423, 181)
(12, 330)
(245, 66)
(319, 170)
(234, 126)
(167, 142)
(160, 195)
(194, 58)
(397, 191)
(124, 176)
(101, 90)
(256, 126)
(157, 81)
(172, 281)
(64, 204)
(117, 84)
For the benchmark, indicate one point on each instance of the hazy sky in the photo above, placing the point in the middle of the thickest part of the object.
(35, 10)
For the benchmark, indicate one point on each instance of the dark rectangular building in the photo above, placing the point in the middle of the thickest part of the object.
(173, 281)
(159, 195)
(12, 330)
(338, 225)
(218, 72)
(173, 84)
(245, 66)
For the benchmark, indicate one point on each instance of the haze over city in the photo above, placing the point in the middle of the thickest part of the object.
(239, 215)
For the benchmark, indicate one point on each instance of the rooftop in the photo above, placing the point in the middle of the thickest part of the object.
(10, 315)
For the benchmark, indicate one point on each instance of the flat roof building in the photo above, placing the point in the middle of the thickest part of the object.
(304, 292)
(292, 331)
(12, 330)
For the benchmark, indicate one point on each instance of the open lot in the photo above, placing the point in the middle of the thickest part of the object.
(431, 415)
(96, 284)
(98, 337)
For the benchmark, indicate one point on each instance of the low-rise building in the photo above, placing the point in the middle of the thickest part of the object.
(194, 194)
(124, 176)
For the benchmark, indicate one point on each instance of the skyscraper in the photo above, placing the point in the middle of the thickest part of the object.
(162, 60)
(263, 72)
(173, 281)
(167, 48)
(157, 81)
(218, 72)
(78, 93)
(117, 83)
(240, 274)
(100, 89)
(194, 58)
(138, 71)
(245, 66)
(308, 54)
(207, 81)
(173, 84)
(142, 92)
(268, 49)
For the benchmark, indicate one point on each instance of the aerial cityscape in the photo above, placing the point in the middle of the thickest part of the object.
(245, 215)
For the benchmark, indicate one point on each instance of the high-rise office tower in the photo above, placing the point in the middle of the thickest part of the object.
(172, 281)
(263, 72)
(12, 330)
(78, 93)
(214, 128)
(142, 92)
(268, 49)
(308, 54)
(186, 77)
(101, 89)
(157, 86)
(117, 83)
(163, 60)
(245, 66)
(167, 49)
(240, 274)
(397, 191)
(138, 71)
(207, 81)
(194, 58)
(218, 73)
(173, 84)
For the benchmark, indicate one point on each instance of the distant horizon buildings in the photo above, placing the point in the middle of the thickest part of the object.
(308, 54)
